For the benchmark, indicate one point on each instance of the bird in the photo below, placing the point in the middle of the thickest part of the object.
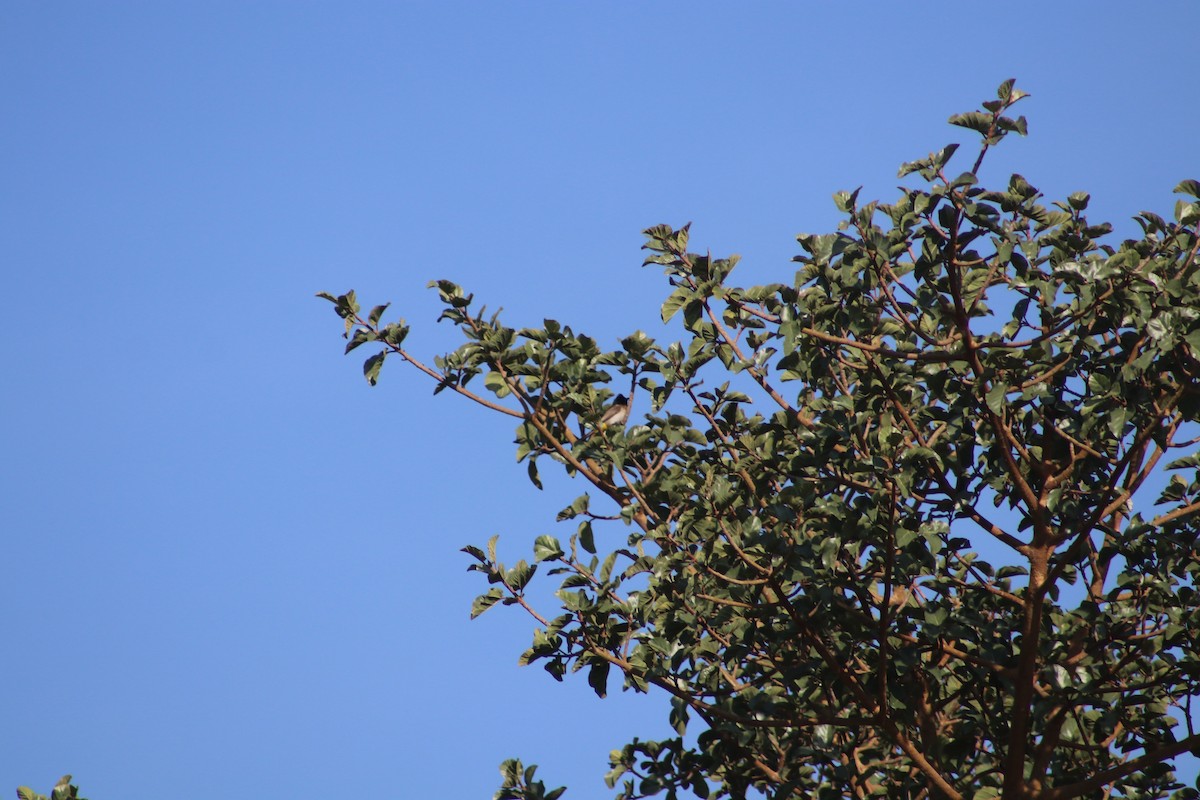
(616, 414)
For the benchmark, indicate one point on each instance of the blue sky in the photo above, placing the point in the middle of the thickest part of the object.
(232, 568)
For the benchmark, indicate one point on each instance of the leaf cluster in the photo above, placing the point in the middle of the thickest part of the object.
(63, 790)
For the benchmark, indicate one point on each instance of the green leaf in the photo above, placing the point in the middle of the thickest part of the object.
(598, 678)
(451, 294)
(975, 120)
(830, 548)
(1079, 200)
(532, 471)
(547, 548)
(906, 168)
(1189, 187)
(585, 537)
(679, 716)
(518, 577)
(361, 336)
(845, 201)
(1186, 213)
(372, 366)
(995, 398)
(637, 344)
(485, 601)
(496, 383)
(376, 313)
(943, 156)
(578, 506)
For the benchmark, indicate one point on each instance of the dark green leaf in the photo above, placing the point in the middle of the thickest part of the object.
(376, 313)
(975, 120)
(485, 601)
(598, 678)
(1188, 187)
(532, 471)
(996, 397)
(518, 577)
(585, 537)
(372, 366)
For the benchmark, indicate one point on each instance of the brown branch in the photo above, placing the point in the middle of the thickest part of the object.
(1039, 549)
(442, 379)
(1108, 776)
(918, 357)
(1171, 516)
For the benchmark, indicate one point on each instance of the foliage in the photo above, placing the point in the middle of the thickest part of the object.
(954, 552)
(519, 783)
(63, 790)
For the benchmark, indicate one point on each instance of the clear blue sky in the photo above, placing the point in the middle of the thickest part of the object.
(231, 568)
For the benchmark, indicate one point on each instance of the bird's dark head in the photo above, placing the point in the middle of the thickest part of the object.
(620, 400)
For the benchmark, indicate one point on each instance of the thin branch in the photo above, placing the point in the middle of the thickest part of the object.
(1108, 776)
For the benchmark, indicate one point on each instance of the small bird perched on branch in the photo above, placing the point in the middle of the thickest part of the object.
(616, 414)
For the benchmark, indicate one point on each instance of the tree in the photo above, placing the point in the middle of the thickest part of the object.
(921, 522)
